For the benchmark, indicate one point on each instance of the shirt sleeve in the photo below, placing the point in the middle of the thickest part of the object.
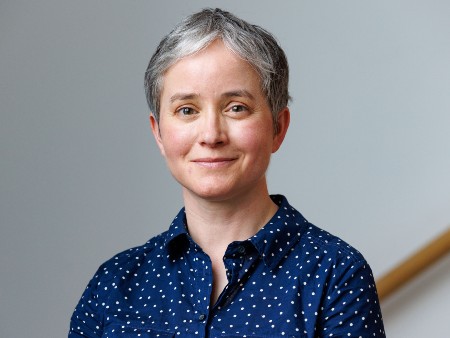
(352, 307)
(87, 319)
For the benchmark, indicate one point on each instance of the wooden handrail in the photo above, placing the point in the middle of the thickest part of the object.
(413, 265)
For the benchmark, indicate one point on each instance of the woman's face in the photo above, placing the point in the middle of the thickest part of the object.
(215, 128)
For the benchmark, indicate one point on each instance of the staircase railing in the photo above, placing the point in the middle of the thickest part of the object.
(412, 266)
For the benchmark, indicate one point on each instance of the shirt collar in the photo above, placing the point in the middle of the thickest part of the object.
(282, 231)
(177, 230)
(272, 241)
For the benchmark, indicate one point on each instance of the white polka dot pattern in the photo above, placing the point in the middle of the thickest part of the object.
(291, 279)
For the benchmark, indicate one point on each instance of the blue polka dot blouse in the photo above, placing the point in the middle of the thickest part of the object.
(291, 279)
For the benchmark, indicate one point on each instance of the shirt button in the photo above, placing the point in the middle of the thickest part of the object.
(241, 249)
(202, 317)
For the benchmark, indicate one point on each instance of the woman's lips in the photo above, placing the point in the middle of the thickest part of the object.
(214, 162)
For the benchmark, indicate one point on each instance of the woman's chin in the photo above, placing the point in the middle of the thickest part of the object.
(213, 193)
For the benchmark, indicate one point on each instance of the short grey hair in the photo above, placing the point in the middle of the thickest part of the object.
(252, 43)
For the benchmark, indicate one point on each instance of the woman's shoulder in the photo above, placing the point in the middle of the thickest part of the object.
(313, 238)
(130, 259)
(330, 244)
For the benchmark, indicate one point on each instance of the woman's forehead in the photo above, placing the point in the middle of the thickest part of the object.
(214, 69)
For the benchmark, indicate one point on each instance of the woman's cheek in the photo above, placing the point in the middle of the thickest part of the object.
(178, 141)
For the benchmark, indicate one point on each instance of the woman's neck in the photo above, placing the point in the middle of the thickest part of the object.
(215, 224)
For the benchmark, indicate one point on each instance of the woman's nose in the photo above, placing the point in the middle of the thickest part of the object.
(213, 129)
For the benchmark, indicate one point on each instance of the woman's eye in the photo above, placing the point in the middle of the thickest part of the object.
(186, 111)
(238, 108)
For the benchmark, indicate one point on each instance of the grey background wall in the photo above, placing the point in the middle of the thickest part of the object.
(367, 156)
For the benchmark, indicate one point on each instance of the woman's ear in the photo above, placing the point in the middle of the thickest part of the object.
(157, 134)
(283, 118)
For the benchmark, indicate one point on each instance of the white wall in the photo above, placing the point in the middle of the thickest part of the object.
(367, 156)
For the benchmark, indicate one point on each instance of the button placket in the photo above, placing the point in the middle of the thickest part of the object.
(203, 282)
(241, 249)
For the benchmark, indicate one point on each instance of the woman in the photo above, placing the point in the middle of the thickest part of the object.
(235, 262)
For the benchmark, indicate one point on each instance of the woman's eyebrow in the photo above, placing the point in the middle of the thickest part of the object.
(238, 93)
(183, 96)
(231, 93)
